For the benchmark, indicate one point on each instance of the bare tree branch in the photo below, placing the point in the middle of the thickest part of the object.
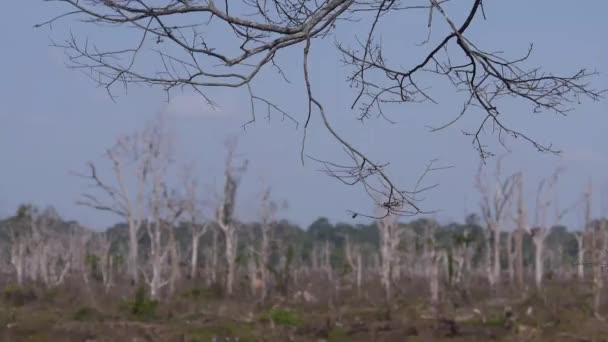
(176, 47)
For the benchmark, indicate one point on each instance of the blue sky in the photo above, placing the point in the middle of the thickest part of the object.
(53, 120)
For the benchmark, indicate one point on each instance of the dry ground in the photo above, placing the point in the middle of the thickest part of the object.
(561, 313)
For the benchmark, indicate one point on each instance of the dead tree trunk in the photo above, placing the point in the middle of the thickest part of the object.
(327, 263)
(580, 254)
(140, 154)
(597, 233)
(511, 257)
(538, 237)
(438, 258)
(496, 198)
(174, 259)
(359, 275)
(521, 226)
(158, 258)
(19, 241)
(352, 254)
(214, 259)
(197, 233)
(461, 256)
(489, 257)
(268, 210)
(194, 213)
(166, 210)
(388, 229)
(106, 262)
(496, 249)
(264, 261)
(544, 201)
(225, 217)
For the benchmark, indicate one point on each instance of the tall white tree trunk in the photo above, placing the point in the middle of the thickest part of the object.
(264, 261)
(600, 242)
(214, 258)
(511, 257)
(230, 239)
(327, 262)
(489, 260)
(496, 199)
(194, 256)
(389, 241)
(132, 267)
(18, 259)
(359, 272)
(539, 243)
(496, 254)
(174, 258)
(158, 256)
(436, 260)
(544, 201)
(580, 255)
(225, 217)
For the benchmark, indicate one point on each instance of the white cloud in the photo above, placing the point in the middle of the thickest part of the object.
(191, 105)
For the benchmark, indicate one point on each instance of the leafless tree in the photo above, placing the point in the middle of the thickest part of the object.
(545, 201)
(511, 256)
(21, 238)
(225, 214)
(180, 37)
(352, 254)
(462, 256)
(390, 238)
(580, 254)
(51, 255)
(496, 197)
(601, 248)
(101, 246)
(195, 218)
(79, 239)
(165, 209)
(428, 247)
(596, 231)
(521, 227)
(212, 259)
(38, 252)
(438, 258)
(326, 263)
(141, 155)
(268, 211)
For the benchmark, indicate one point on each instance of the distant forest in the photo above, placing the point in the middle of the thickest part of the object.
(321, 243)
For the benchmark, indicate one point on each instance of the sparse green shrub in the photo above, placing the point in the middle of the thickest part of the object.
(18, 296)
(223, 332)
(85, 313)
(141, 307)
(338, 335)
(214, 292)
(50, 295)
(92, 262)
(282, 317)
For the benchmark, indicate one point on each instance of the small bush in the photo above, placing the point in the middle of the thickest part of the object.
(283, 317)
(203, 293)
(141, 307)
(85, 313)
(18, 296)
(338, 335)
(50, 295)
(223, 332)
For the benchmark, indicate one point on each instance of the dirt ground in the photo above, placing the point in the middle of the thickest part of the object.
(560, 313)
